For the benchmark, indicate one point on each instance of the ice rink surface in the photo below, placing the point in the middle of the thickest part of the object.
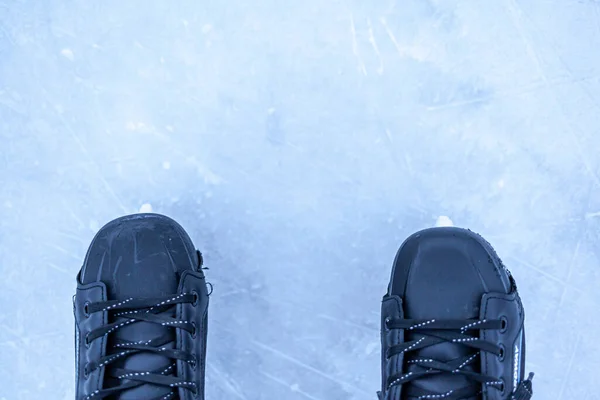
(299, 143)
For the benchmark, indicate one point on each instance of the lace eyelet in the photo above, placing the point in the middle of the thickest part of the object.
(193, 363)
(386, 324)
(194, 330)
(502, 353)
(87, 340)
(86, 371)
(504, 327)
(86, 309)
(195, 294)
(502, 387)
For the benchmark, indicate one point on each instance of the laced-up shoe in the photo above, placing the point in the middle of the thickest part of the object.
(141, 313)
(452, 322)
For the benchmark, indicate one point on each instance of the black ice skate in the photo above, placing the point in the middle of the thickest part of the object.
(452, 322)
(141, 313)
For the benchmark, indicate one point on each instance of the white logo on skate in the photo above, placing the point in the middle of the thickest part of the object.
(516, 368)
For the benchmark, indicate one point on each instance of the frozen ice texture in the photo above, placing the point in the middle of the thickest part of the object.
(300, 143)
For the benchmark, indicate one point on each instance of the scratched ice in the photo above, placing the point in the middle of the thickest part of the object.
(299, 144)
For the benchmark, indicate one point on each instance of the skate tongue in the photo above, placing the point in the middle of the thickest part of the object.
(142, 332)
(448, 295)
(153, 277)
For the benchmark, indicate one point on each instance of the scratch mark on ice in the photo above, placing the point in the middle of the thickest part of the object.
(101, 177)
(309, 368)
(343, 321)
(64, 251)
(414, 52)
(86, 153)
(516, 14)
(388, 134)
(293, 388)
(226, 383)
(392, 37)
(208, 175)
(575, 253)
(544, 273)
(56, 267)
(68, 235)
(375, 48)
(361, 65)
(521, 90)
(570, 269)
(569, 368)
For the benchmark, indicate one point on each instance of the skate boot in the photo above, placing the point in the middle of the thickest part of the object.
(141, 313)
(452, 322)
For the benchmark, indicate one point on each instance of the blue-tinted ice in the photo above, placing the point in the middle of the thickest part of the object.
(300, 143)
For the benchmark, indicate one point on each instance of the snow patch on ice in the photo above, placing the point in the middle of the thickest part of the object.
(135, 126)
(592, 215)
(146, 208)
(371, 347)
(94, 225)
(443, 220)
(205, 173)
(68, 54)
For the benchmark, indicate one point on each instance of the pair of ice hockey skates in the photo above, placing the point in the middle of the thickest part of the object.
(452, 322)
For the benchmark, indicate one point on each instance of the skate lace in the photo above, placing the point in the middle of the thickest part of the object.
(130, 311)
(433, 332)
